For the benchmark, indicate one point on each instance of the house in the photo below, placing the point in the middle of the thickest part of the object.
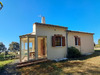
(82, 41)
(51, 42)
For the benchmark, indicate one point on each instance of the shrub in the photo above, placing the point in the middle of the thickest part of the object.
(6, 52)
(73, 52)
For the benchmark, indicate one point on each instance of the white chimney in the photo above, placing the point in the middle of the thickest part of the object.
(43, 20)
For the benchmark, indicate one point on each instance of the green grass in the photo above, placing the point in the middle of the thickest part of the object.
(85, 65)
(4, 60)
(3, 63)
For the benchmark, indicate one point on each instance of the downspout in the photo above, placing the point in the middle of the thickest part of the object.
(80, 46)
(67, 42)
(20, 50)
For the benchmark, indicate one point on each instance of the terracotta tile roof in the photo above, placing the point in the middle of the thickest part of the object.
(79, 32)
(29, 34)
(50, 25)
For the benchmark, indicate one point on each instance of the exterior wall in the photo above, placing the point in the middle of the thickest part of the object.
(87, 44)
(34, 29)
(48, 31)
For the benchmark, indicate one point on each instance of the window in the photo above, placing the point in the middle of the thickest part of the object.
(30, 46)
(77, 41)
(58, 41)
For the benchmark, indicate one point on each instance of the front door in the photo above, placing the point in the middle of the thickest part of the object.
(41, 47)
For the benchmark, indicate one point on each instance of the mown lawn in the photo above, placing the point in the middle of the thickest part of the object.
(85, 65)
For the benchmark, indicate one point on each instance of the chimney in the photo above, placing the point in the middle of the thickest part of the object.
(43, 20)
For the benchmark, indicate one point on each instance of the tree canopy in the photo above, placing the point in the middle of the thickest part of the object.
(1, 5)
(98, 41)
(2, 47)
(14, 46)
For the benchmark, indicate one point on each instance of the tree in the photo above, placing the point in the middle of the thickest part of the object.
(14, 46)
(98, 41)
(94, 44)
(2, 47)
(1, 5)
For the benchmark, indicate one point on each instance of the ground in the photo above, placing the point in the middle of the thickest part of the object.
(85, 65)
(5, 59)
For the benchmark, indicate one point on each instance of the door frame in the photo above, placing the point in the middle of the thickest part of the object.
(46, 54)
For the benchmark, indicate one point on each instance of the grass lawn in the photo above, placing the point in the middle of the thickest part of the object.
(85, 65)
(3, 63)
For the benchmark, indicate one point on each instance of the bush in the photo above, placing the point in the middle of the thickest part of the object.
(73, 52)
(6, 52)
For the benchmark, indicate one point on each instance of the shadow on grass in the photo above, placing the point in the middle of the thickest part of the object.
(93, 70)
(97, 50)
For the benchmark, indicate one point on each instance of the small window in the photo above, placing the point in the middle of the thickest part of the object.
(58, 41)
(77, 41)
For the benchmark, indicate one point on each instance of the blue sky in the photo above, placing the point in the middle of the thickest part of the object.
(18, 16)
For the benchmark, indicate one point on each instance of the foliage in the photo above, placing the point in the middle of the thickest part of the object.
(98, 41)
(2, 47)
(73, 52)
(94, 44)
(14, 46)
(97, 46)
(1, 5)
(6, 52)
(8, 56)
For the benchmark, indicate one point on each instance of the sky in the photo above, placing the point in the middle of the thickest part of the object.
(17, 16)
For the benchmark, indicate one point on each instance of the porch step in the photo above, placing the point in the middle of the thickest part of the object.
(24, 64)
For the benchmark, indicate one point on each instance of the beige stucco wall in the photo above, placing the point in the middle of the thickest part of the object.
(48, 31)
(34, 29)
(87, 44)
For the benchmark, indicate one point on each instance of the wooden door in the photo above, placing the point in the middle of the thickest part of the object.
(43, 46)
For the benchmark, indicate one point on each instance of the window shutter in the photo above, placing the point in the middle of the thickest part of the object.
(53, 41)
(63, 41)
(79, 41)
